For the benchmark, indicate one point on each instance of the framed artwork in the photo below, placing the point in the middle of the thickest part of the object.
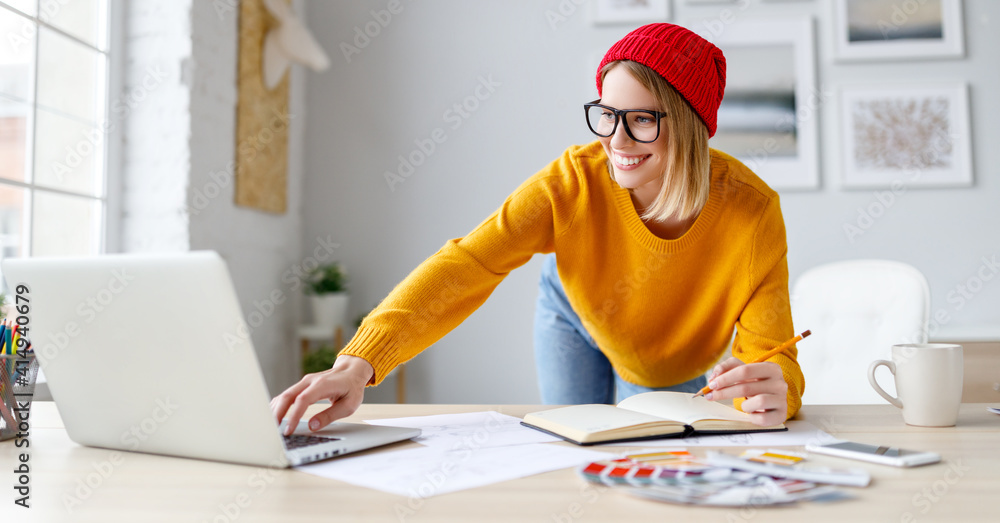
(891, 29)
(897, 136)
(631, 11)
(261, 178)
(768, 117)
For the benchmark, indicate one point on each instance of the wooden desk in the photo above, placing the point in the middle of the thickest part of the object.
(139, 487)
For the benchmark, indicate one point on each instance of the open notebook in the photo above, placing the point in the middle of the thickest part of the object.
(644, 416)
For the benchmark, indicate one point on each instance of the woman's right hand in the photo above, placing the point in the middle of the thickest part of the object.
(344, 385)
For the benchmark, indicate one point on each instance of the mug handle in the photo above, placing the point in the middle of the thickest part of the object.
(871, 379)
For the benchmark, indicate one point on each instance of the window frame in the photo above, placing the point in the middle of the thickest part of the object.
(114, 144)
(108, 220)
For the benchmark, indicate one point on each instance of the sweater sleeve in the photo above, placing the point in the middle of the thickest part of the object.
(450, 285)
(766, 320)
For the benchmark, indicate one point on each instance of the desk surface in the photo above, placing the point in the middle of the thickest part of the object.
(150, 488)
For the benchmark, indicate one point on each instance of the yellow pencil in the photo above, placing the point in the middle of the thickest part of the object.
(773, 352)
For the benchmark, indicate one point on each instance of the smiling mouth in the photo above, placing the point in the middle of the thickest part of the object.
(629, 161)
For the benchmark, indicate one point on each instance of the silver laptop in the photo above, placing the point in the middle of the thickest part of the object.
(151, 353)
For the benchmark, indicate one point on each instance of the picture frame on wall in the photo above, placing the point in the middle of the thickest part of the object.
(769, 115)
(902, 136)
(606, 12)
(894, 29)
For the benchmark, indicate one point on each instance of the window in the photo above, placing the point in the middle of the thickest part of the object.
(54, 129)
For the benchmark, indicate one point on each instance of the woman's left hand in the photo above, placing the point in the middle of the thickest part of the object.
(761, 384)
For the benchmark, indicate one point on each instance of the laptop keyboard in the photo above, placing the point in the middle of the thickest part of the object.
(296, 441)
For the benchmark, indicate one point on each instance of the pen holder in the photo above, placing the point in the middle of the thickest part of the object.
(17, 382)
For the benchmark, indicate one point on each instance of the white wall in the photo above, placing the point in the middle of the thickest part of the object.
(155, 126)
(258, 246)
(394, 88)
(177, 166)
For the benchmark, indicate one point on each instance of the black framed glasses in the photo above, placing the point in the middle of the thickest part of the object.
(641, 125)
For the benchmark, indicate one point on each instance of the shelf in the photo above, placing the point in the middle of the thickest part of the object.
(983, 332)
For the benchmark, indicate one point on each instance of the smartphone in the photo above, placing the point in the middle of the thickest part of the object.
(893, 456)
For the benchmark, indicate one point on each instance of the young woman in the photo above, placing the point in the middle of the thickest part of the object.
(662, 246)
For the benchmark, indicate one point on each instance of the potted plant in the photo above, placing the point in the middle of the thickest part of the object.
(327, 287)
(319, 360)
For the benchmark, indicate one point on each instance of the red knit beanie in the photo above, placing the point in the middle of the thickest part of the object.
(692, 65)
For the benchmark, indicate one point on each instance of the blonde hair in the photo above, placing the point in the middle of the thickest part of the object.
(686, 179)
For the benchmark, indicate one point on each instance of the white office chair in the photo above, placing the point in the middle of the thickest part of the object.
(857, 310)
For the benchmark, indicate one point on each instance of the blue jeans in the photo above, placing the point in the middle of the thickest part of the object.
(571, 368)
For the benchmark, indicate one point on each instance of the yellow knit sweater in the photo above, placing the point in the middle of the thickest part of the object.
(663, 311)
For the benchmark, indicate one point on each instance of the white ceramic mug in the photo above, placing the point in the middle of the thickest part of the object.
(928, 382)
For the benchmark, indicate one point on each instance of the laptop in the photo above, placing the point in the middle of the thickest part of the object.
(151, 353)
